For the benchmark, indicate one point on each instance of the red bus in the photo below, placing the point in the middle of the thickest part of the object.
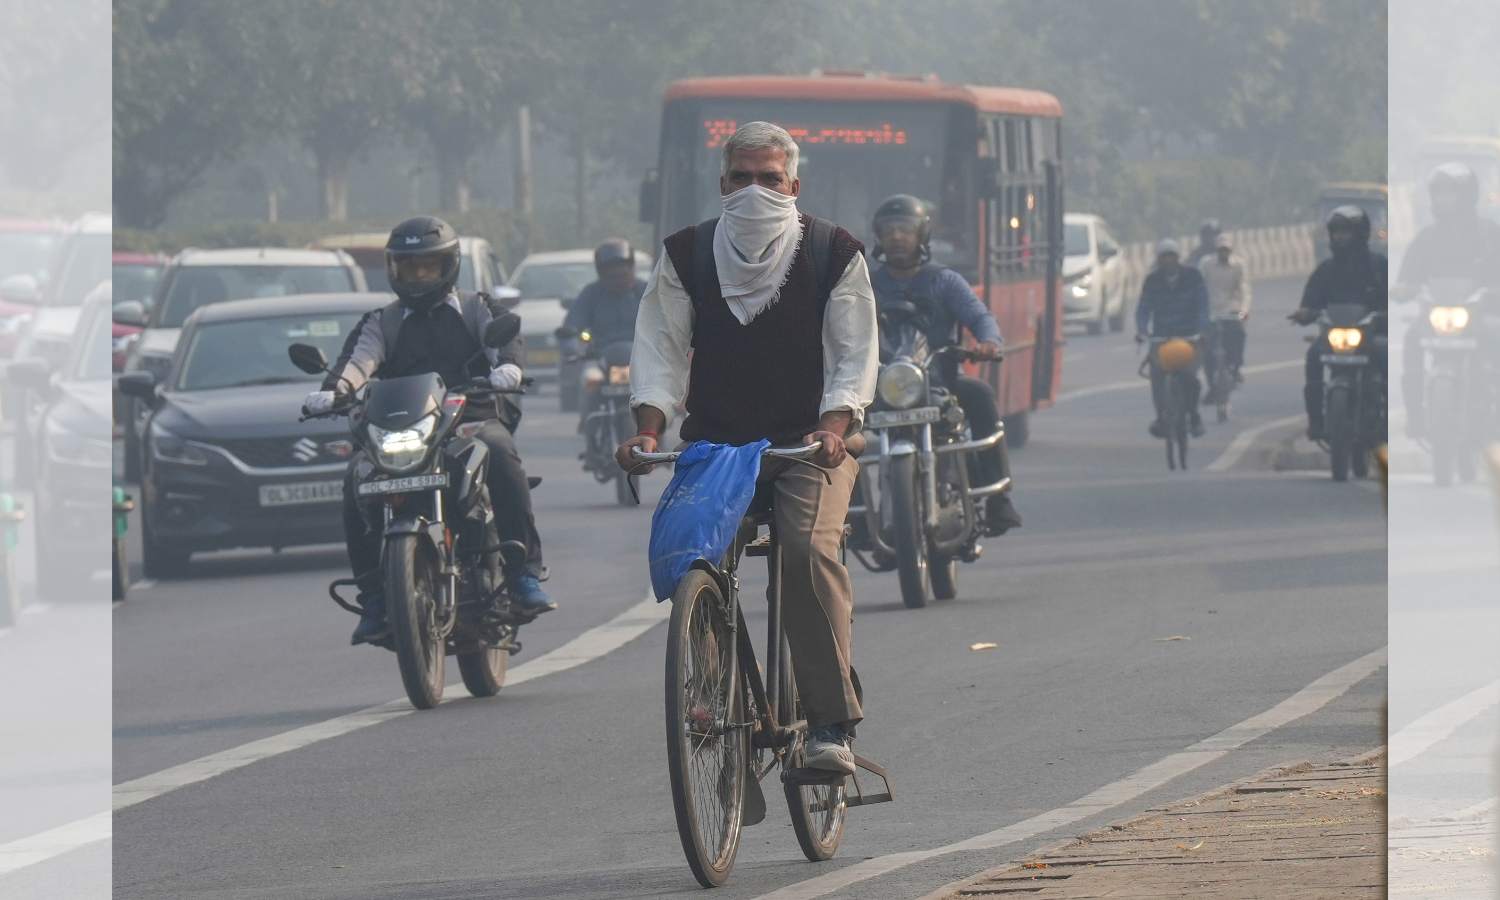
(987, 159)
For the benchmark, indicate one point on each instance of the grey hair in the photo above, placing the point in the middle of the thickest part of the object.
(757, 135)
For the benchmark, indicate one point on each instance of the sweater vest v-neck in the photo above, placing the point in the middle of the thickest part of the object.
(764, 379)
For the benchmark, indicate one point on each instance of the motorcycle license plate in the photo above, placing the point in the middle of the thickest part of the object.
(890, 417)
(1345, 359)
(306, 492)
(401, 485)
(615, 390)
(1450, 343)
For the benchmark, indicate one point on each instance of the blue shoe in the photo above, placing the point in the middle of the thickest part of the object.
(527, 593)
(372, 626)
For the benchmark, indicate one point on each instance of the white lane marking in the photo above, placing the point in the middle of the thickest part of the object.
(1244, 440)
(1419, 736)
(589, 645)
(1308, 700)
(27, 851)
(1113, 386)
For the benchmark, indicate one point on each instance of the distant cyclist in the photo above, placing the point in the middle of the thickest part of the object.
(1174, 303)
(1228, 300)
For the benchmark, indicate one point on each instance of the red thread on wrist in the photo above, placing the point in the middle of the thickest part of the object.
(653, 434)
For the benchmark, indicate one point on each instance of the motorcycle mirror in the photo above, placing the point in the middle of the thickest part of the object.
(308, 358)
(502, 330)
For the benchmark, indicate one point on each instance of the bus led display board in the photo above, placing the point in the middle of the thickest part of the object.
(717, 131)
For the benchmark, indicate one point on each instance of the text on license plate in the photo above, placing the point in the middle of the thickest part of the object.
(399, 485)
(306, 492)
(1345, 359)
(1450, 343)
(615, 390)
(889, 417)
(541, 356)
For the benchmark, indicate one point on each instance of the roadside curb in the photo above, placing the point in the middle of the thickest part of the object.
(1059, 870)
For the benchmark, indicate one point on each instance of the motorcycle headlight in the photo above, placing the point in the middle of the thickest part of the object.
(1343, 340)
(169, 448)
(1448, 319)
(67, 446)
(402, 449)
(902, 385)
(619, 374)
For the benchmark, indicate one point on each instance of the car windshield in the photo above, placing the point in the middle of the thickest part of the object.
(25, 253)
(1075, 240)
(253, 351)
(135, 281)
(93, 347)
(195, 286)
(560, 280)
(85, 261)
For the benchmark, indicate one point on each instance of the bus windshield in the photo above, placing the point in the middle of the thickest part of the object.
(853, 155)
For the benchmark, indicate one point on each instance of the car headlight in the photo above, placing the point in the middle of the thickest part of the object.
(402, 449)
(1343, 340)
(1080, 288)
(1448, 319)
(619, 374)
(158, 366)
(121, 344)
(65, 445)
(169, 448)
(12, 325)
(902, 385)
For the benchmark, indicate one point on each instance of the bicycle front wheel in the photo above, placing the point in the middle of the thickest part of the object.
(707, 743)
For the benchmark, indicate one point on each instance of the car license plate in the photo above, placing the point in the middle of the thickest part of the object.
(401, 485)
(306, 492)
(542, 356)
(1345, 359)
(1450, 343)
(615, 390)
(888, 418)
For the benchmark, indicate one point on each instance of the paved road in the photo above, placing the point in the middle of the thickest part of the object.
(558, 787)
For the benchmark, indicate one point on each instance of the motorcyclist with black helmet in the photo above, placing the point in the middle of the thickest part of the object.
(432, 327)
(1459, 244)
(1354, 274)
(1209, 231)
(902, 225)
(606, 308)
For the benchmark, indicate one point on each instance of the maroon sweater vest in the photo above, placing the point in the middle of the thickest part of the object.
(764, 379)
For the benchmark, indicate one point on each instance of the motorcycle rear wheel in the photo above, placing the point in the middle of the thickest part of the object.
(909, 542)
(483, 671)
(411, 604)
(942, 572)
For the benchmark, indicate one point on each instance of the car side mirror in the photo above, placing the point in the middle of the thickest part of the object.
(309, 358)
(32, 372)
(140, 385)
(502, 330)
(505, 294)
(129, 312)
(22, 289)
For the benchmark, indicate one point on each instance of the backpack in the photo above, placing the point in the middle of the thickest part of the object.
(820, 247)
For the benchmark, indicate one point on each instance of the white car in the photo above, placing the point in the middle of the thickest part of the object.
(1093, 274)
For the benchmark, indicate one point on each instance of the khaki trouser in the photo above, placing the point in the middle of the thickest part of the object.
(817, 601)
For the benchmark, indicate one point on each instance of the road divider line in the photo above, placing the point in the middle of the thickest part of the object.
(29, 851)
(1244, 441)
(590, 645)
(1308, 700)
(1418, 737)
(1113, 386)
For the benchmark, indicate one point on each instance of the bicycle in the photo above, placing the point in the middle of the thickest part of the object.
(727, 726)
(1220, 375)
(1176, 409)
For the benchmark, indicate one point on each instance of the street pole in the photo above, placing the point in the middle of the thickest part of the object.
(523, 170)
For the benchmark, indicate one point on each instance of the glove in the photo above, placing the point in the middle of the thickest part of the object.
(506, 377)
(318, 402)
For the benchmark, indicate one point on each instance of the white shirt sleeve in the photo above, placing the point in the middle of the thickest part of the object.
(659, 357)
(851, 351)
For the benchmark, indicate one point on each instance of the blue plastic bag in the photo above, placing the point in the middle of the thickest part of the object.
(699, 513)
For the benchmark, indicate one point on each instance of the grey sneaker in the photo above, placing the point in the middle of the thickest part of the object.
(828, 748)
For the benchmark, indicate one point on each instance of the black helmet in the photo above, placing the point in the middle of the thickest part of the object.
(1209, 229)
(904, 208)
(1353, 219)
(422, 236)
(613, 250)
(1458, 179)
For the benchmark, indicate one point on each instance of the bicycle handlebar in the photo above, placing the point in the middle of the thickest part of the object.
(804, 452)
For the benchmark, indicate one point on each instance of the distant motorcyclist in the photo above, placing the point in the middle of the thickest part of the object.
(1460, 244)
(903, 231)
(606, 309)
(1354, 274)
(1208, 240)
(1174, 303)
(431, 327)
(1228, 300)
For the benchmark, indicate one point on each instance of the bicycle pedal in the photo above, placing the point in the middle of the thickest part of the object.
(761, 546)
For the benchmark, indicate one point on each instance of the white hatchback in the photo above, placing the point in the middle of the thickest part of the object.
(1093, 274)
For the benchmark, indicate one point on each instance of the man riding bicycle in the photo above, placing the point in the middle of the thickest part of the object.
(772, 354)
(1174, 303)
(1229, 302)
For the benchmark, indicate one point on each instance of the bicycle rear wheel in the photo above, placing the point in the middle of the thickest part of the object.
(707, 745)
(817, 809)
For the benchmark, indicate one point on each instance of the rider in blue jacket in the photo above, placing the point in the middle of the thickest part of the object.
(1174, 303)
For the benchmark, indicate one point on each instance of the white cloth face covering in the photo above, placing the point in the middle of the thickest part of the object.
(754, 245)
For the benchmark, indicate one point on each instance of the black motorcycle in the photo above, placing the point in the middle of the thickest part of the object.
(918, 513)
(1458, 380)
(1354, 390)
(421, 483)
(604, 403)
